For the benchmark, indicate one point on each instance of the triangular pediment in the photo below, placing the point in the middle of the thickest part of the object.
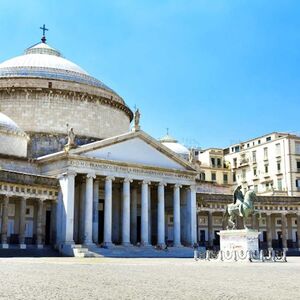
(134, 148)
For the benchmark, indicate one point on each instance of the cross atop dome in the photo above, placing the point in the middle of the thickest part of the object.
(44, 30)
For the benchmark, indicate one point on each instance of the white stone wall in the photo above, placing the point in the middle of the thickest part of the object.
(12, 144)
(39, 112)
(283, 154)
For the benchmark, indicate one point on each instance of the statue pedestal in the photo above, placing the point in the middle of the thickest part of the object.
(239, 240)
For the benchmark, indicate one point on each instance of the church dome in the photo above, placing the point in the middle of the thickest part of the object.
(43, 61)
(173, 145)
(13, 140)
(9, 126)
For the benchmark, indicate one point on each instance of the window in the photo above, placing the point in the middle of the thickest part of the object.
(202, 176)
(258, 142)
(268, 139)
(234, 177)
(277, 149)
(235, 162)
(248, 145)
(264, 236)
(298, 184)
(278, 166)
(255, 171)
(265, 153)
(266, 168)
(297, 147)
(213, 176)
(225, 178)
(298, 165)
(279, 184)
(219, 163)
(213, 163)
(254, 156)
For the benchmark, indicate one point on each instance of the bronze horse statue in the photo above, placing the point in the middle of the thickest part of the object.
(243, 208)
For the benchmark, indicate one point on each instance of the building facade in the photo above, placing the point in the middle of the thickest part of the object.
(269, 164)
(109, 184)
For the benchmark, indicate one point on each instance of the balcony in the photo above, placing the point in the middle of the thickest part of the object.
(244, 162)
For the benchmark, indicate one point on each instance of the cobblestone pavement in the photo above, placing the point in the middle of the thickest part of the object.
(117, 278)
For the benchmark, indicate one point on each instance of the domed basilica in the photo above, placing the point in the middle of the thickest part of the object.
(74, 175)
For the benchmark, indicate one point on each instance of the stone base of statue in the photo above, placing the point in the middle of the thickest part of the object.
(236, 244)
(68, 147)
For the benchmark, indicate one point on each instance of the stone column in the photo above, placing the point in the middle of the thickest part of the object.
(284, 230)
(67, 184)
(298, 230)
(133, 215)
(88, 210)
(193, 214)
(161, 214)
(210, 228)
(39, 225)
(4, 225)
(108, 212)
(145, 214)
(269, 230)
(176, 216)
(126, 213)
(22, 223)
(149, 215)
(95, 211)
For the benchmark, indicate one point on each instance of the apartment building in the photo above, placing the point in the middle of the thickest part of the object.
(269, 164)
(213, 167)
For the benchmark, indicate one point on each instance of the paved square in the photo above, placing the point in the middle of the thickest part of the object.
(112, 278)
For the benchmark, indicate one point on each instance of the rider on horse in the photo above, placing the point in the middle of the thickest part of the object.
(238, 198)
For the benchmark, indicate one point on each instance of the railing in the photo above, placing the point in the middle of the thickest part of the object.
(241, 255)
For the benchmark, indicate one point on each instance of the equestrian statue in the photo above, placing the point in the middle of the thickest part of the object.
(242, 206)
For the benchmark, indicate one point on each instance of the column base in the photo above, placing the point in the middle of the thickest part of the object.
(161, 246)
(40, 246)
(22, 246)
(146, 245)
(127, 244)
(177, 245)
(108, 245)
(4, 246)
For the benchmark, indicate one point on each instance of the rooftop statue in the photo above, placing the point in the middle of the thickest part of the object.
(192, 156)
(137, 116)
(242, 206)
(71, 139)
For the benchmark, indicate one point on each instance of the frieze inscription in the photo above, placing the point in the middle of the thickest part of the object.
(120, 169)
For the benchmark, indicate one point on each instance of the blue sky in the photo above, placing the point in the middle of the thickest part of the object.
(213, 72)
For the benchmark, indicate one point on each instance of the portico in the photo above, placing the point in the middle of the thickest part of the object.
(123, 203)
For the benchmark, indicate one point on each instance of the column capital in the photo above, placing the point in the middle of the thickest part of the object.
(127, 179)
(146, 182)
(69, 173)
(268, 213)
(91, 175)
(162, 183)
(177, 185)
(109, 178)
